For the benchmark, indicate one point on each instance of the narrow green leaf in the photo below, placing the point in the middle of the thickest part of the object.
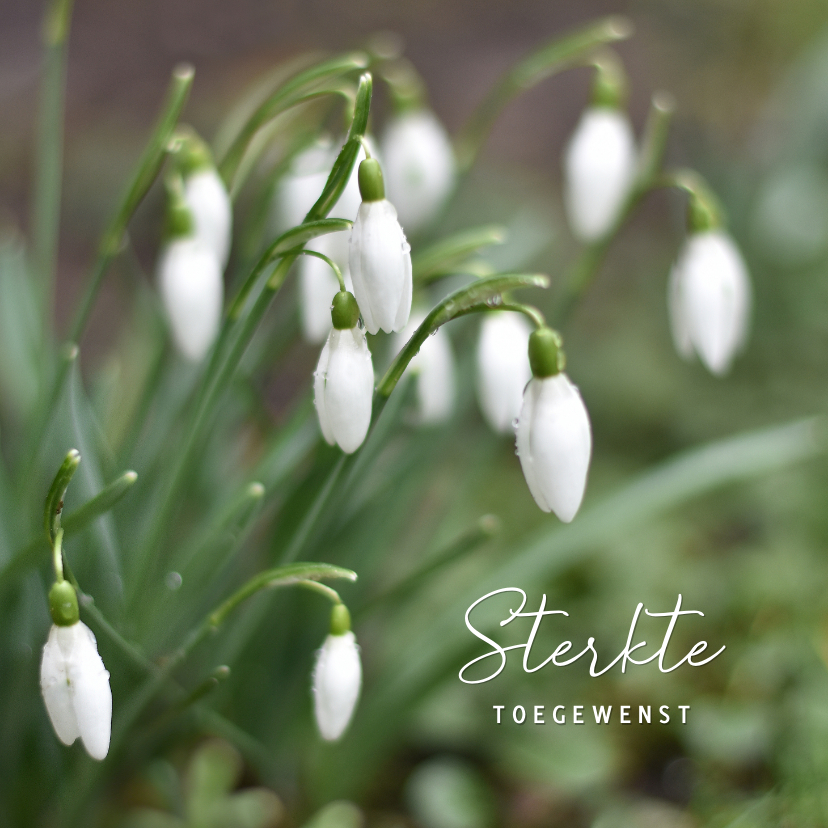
(560, 54)
(439, 259)
(54, 499)
(280, 576)
(478, 296)
(344, 164)
(100, 504)
(284, 97)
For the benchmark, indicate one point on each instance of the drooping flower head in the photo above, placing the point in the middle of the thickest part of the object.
(337, 677)
(554, 439)
(73, 679)
(709, 295)
(205, 196)
(343, 385)
(600, 159)
(380, 256)
(190, 281)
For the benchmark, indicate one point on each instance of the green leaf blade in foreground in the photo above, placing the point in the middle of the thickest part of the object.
(478, 296)
(280, 576)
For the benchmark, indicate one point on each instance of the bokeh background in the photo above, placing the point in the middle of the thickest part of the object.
(750, 81)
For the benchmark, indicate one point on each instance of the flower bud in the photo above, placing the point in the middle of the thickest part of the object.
(599, 169)
(419, 166)
(343, 388)
(554, 444)
(380, 258)
(502, 367)
(709, 299)
(75, 687)
(337, 677)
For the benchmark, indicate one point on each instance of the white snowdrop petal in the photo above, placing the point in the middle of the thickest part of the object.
(523, 437)
(209, 202)
(57, 691)
(502, 368)
(344, 388)
(93, 697)
(319, 400)
(337, 679)
(599, 167)
(192, 291)
(555, 445)
(419, 167)
(380, 260)
(711, 295)
(75, 687)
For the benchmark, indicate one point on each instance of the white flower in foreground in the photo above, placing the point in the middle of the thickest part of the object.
(209, 202)
(419, 167)
(434, 370)
(709, 299)
(502, 367)
(380, 257)
(75, 686)
(192, 291)
(554, 439)
(599, 168)
(343, 385)
(337, 677)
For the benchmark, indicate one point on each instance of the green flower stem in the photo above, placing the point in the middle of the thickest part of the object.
(562, 53)
(49, 162)
(481, 533)
(314, 586)
(529, 311)
(648, 177)
(57, 556)
(54, 499)
(227, 352)
(149, 165)
(145, 174)
(287, 95)
(332, 264)
(478, 296)
(705, 211)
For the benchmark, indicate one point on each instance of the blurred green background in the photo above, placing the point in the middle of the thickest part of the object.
(750, 80)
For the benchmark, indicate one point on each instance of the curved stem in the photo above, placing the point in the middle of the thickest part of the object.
(332, 264)
(529, 311)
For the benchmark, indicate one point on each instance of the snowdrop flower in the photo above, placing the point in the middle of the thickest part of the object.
(205, 195)
(337, 677)
(554, 440)
(502, 367)
(73, 679)
(189, 276)
(380, 257)
(599, 168)
(709, 299)
(343, 385)
(419, 166)
(434, 369)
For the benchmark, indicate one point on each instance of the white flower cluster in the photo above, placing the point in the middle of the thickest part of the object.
(192, 261)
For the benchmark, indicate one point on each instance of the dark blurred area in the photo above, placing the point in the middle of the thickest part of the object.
(718, 57)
